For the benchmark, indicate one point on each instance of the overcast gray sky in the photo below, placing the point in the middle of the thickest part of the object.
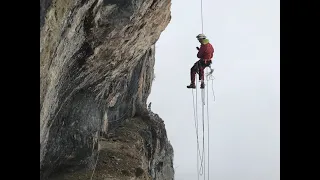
(245, 116)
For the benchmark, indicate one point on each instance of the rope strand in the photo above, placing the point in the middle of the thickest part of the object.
(200, 156)
(196, 127)
(201, 18)
(208, 143)
(203, 133)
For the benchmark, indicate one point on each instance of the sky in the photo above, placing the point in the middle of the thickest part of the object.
(244, 117)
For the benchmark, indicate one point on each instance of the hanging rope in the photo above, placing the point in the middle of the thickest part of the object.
(208, 143)
(212, 78)
(203, 115)
(195, 125)
(201, 18)
(200, 155)
(203, 133)
(204, 103)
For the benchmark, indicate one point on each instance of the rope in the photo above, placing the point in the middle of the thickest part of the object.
(203, 104)
(196, 127)
(211, 77)
(202, 157)
(198, 146)
(214, 97)
(203, 133)
(201, 18)
(199, 156)
(208, 128)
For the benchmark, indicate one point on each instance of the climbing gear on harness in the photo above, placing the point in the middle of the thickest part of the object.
(210, 73)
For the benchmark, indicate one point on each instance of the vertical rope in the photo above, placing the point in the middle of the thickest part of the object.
(203, 103)
(200, 156)
(197, 103)
(214, 97)
(201, 18)
(208, 128)
(203, 134)
(196, 127)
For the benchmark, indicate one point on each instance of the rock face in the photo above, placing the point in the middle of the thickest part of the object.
(96, 72)
(138, 150)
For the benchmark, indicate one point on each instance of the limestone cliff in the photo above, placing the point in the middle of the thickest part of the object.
(96, 72)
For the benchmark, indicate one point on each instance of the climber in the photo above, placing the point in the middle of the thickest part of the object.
(205, 53)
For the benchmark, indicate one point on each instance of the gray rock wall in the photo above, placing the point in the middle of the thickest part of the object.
(96, 70)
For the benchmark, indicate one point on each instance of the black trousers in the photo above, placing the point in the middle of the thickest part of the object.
(199, 67)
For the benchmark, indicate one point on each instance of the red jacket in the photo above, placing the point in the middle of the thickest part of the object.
(206, 51)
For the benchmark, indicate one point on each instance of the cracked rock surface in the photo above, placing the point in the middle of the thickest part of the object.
(96, 71)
